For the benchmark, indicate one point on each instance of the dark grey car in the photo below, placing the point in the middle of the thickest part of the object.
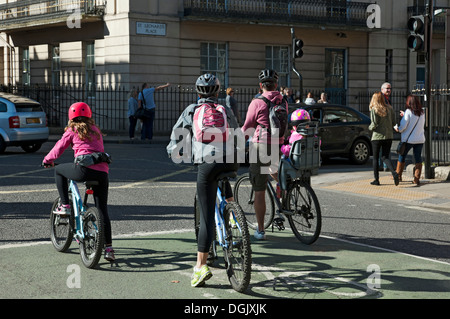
(344, 131)
(23, 123)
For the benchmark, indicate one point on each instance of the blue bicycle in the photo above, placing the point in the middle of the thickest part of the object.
(84, 224)
(232, 235)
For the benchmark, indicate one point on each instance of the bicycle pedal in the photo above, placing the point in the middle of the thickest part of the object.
(279, 223)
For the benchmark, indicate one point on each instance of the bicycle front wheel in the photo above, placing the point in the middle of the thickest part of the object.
(61, 229)
(305, 218)
(91, 246)
(238, 254)
(245, 197)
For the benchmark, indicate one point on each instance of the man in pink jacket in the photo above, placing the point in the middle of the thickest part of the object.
(265, 149)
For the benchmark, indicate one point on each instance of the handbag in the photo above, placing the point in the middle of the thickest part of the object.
(141, 113)
(402, 145)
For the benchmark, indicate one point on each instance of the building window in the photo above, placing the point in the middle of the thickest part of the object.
(90, 69)
(335, 68)
(277, 58)
(26, 76)
(388, 66)
(56, 66)
(214, 60)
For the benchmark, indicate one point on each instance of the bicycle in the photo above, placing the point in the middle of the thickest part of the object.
(232, 235)
(298, 202)
(84, 224)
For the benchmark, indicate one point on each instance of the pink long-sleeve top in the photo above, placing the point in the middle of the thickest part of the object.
(79, 147)
(258, 114)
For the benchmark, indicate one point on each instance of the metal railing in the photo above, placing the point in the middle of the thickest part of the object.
(335, 12)
(110, 108)
(35, 9)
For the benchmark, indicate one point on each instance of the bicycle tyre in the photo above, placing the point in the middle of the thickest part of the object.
(244, 196)
(91, 246)
(61, 229)
(306, 222)
(238, 255)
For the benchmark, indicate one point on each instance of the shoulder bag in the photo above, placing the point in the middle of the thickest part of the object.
(402, 145)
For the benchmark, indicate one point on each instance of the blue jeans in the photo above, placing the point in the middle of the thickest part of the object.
(417, 153)
(147, 126)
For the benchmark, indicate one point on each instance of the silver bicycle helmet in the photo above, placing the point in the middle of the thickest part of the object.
(268, 76)
(207, 85)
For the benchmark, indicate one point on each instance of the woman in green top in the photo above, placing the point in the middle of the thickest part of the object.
(382, 122)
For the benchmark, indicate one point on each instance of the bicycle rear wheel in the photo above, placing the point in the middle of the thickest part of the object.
(91, 246)
(245, 197)
(61, 229)
(238, 255)
(306, 220)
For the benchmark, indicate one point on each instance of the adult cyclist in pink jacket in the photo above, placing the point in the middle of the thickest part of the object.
(86, 139)
(263, 144)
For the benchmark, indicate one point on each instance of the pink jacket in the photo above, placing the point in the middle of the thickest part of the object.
(286, 149)
(257, 114)
(79, 147)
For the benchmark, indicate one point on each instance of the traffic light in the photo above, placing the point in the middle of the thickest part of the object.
(416, 39)
(297, 46)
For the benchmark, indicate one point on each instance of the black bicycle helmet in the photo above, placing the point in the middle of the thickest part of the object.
(207, 85)
(268, 76)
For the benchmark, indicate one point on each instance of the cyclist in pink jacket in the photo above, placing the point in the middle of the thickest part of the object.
(263, 144)
(90, 164)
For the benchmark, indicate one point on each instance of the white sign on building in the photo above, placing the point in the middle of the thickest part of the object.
(151, 28)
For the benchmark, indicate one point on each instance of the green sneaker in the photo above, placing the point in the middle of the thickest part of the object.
(200, 276)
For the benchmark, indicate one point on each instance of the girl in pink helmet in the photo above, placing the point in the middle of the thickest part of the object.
(299, 116)
(85, 138)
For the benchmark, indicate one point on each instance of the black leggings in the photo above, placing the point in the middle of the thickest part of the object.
(385, 147)
(206, 192)
(78, 173)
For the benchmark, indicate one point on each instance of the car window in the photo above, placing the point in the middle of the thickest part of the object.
(3, 107)
(28, 108)
(340, 116)
(314, 114)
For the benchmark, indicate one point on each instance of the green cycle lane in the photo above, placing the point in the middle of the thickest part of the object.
(159, 266)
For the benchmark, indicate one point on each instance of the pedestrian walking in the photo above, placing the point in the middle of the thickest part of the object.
(382, 123)
(132, 108)
(413, 135)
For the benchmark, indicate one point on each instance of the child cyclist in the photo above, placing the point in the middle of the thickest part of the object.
(86, 139)
(207, 87)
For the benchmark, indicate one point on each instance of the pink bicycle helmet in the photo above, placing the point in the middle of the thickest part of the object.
(79, 109)
(300, 115)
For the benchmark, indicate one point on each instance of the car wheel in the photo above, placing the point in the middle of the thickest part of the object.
(2, 145)
(360, 152)
(31, 148)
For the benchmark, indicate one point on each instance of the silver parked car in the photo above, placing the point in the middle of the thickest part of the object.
(23, 123)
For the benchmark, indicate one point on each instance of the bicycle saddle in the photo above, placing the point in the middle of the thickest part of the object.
(224, 175)
(89, 184)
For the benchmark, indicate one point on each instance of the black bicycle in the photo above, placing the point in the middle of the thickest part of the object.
(298, 202)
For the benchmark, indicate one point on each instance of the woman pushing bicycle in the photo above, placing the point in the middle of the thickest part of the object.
(90, 164)
(204, 128)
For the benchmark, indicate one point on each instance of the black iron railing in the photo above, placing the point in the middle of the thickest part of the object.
(334, 12)
(110, 107)
(26, 11)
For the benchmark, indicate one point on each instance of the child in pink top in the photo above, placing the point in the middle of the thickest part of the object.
(297, 117)
(85, 138)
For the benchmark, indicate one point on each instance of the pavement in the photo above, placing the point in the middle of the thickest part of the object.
(433, 193)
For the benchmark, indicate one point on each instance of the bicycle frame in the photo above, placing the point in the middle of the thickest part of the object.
(220, 223)
(78, 209)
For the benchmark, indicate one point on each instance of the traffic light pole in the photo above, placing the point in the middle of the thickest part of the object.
(300, 77)
(428, 80)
